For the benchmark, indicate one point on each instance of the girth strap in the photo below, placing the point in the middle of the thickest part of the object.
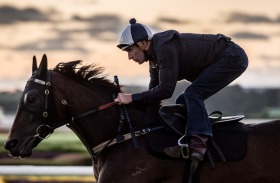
(97, 149)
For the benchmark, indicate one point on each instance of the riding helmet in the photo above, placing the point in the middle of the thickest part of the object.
(134, 33)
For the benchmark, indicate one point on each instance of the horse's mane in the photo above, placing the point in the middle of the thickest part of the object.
(90, 75)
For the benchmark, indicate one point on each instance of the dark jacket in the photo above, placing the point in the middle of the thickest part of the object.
(175, 56)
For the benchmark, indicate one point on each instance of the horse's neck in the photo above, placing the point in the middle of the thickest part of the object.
(80, 99)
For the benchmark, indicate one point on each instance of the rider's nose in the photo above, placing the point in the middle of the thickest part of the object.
(11, 144)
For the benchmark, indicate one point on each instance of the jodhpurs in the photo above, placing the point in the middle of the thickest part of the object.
(230, 65)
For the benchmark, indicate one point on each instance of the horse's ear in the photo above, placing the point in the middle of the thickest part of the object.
(42, 70)
(34, 64)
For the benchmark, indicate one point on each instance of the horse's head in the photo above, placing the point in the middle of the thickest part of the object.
(43, 106)
(33, 116)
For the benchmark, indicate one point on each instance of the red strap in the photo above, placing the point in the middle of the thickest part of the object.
(107, 105)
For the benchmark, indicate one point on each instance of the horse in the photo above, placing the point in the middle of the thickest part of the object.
(81, 97)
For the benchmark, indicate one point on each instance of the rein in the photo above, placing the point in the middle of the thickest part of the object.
(100, 108)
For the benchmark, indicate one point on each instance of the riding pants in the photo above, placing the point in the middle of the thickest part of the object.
(230, 65)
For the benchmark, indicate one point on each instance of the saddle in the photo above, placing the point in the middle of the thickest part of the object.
(229, 134)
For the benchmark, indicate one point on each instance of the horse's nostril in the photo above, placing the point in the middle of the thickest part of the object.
(11, 144)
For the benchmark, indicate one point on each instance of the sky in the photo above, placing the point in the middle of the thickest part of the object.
(89, 30)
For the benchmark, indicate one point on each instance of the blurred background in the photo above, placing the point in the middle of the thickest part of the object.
(89, 30)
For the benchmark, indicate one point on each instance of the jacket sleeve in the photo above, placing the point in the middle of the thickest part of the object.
(167, 75)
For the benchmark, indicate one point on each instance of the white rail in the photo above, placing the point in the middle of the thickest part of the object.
(45, 170)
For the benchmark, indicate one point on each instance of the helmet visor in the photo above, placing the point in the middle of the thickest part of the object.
(123, 46)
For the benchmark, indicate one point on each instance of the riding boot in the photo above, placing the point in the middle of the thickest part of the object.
(197, 146)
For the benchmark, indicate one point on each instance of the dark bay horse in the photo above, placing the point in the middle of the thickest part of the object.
(81, 98)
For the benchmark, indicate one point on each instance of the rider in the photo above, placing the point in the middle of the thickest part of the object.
(210, 62)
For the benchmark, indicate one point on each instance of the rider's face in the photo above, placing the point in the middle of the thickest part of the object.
(136, 54)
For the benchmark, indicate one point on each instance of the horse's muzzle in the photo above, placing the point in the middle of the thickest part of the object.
(13, 146)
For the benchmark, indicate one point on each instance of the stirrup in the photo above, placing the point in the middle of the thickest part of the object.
(184, 148)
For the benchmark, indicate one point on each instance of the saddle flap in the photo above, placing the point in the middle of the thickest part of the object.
(173, 117)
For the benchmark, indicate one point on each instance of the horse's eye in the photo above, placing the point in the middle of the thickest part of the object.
(29, 99)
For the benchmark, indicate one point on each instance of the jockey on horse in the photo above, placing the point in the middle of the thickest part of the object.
(210, 62)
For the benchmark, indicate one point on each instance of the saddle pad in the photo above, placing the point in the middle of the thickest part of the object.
(230, 137)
